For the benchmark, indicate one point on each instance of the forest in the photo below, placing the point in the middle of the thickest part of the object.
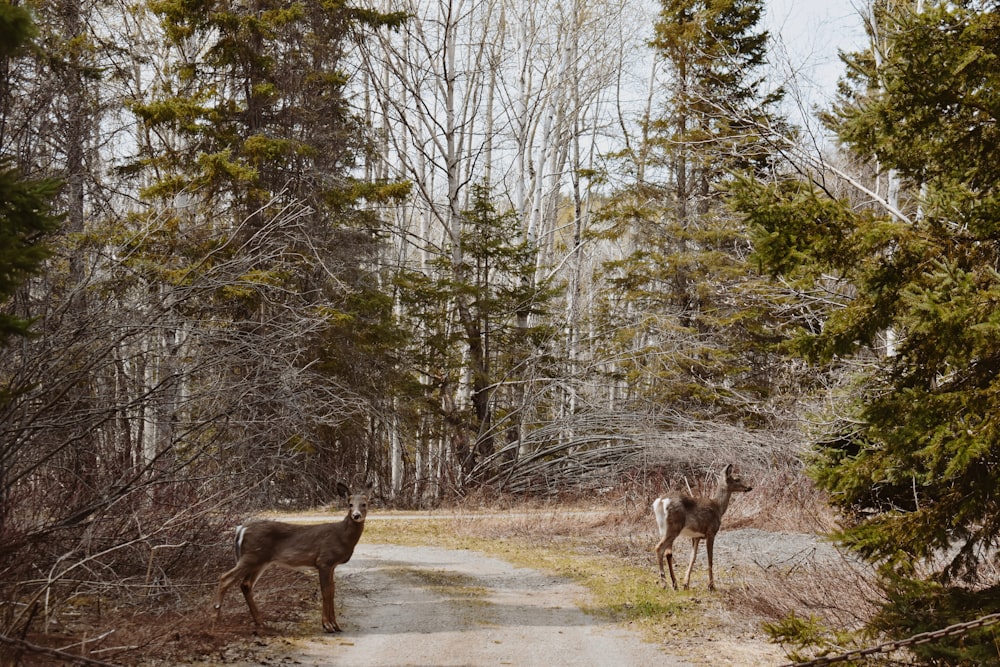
(468, 248)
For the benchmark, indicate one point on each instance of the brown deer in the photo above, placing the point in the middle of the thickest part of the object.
(323, 546)
(697, 518)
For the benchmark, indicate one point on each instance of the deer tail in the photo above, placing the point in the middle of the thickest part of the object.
(660, 510)
(238, 542)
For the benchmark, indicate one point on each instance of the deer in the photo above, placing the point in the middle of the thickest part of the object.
(697, 518)
(260, 544)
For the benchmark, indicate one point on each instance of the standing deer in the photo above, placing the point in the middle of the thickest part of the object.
(323, 546)
(697, 518)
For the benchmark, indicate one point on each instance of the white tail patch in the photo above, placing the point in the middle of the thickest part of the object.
(240, 532)
(660, 511)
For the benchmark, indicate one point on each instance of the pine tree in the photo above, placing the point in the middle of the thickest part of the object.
(26, 219)
(714, 52)
(484, 346)
(25, 204)
(684, 302)
(916, 463)
(261, 117)
(250, 149)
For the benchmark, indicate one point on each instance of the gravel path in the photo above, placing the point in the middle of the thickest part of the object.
(410, 606)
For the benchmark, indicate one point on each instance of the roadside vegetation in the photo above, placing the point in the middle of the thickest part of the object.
(604, 542)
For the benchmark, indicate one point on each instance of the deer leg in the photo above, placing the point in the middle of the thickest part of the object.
(709, 544)
(694, 554)
(670, 566)
(246, 586)
(660, 549)
(666, 548)
(225, 582)
(328, 590)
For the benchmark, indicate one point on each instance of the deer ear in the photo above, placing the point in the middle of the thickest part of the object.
(342, 490)
(729, 470)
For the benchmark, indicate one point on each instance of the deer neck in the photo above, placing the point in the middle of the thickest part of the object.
(352, 528)
(722, 496)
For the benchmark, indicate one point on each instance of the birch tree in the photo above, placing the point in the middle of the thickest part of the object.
(506, 95)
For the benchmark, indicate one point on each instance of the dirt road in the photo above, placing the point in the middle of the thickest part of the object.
(409, 606)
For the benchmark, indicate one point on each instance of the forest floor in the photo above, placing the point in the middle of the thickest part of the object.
(534, 587)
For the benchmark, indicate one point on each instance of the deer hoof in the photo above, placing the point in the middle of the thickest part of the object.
(331, 627)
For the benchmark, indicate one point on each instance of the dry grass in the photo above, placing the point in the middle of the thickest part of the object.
(171, 623)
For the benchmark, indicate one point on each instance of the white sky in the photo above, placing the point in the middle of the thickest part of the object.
(812, 32)
(808, 35)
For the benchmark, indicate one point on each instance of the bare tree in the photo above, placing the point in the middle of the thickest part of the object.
(514, 96)
(125, 428)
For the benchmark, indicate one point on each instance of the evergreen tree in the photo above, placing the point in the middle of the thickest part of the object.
(684, 303)
(26, 219)
(713, 52)
(916, 462)
(25, 204)
(256, 114)
(250, 140)
(475, 353)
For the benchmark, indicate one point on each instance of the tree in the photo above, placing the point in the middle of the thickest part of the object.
(514, 97)
(490, 345)
(182, 324)
(914, 460)
(25, 221)
(25, 205)
(249, 121)
(683, 305)
(26, 216)
(714, 52)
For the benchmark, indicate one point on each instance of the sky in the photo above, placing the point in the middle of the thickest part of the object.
(812, 31)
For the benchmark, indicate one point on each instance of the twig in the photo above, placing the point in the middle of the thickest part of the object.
(54, 653)
(87, 641)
